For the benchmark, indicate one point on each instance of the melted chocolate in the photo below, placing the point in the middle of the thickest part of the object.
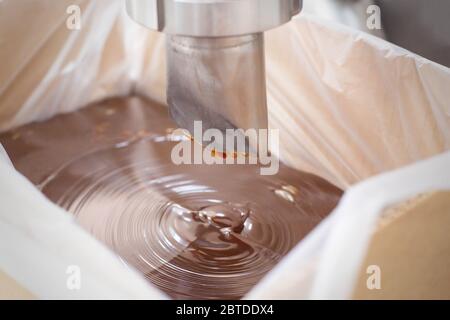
(194, 231)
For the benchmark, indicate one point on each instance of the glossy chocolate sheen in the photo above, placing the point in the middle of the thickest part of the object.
(194, 231)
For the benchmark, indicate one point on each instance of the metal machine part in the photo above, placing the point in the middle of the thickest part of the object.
(215, 58)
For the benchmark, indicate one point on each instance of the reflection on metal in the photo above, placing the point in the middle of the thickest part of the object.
(215, 57)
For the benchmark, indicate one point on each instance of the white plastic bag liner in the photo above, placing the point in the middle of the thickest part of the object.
(48, 68)
(349, 106)
(326, 264)
(4, 159)
(44, 250)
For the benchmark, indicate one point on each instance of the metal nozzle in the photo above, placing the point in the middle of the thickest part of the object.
(220, 81)
(215, 57)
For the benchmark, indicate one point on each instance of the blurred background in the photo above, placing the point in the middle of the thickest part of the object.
(421, 26)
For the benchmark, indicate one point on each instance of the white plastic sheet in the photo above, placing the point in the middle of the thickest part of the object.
(349, 106)
(326, 264)
(48, 68)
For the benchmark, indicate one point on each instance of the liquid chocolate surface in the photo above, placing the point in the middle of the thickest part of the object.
(194, 231)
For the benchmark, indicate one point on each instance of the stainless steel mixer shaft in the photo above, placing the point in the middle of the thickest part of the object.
(217, 80)
(215, 57)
